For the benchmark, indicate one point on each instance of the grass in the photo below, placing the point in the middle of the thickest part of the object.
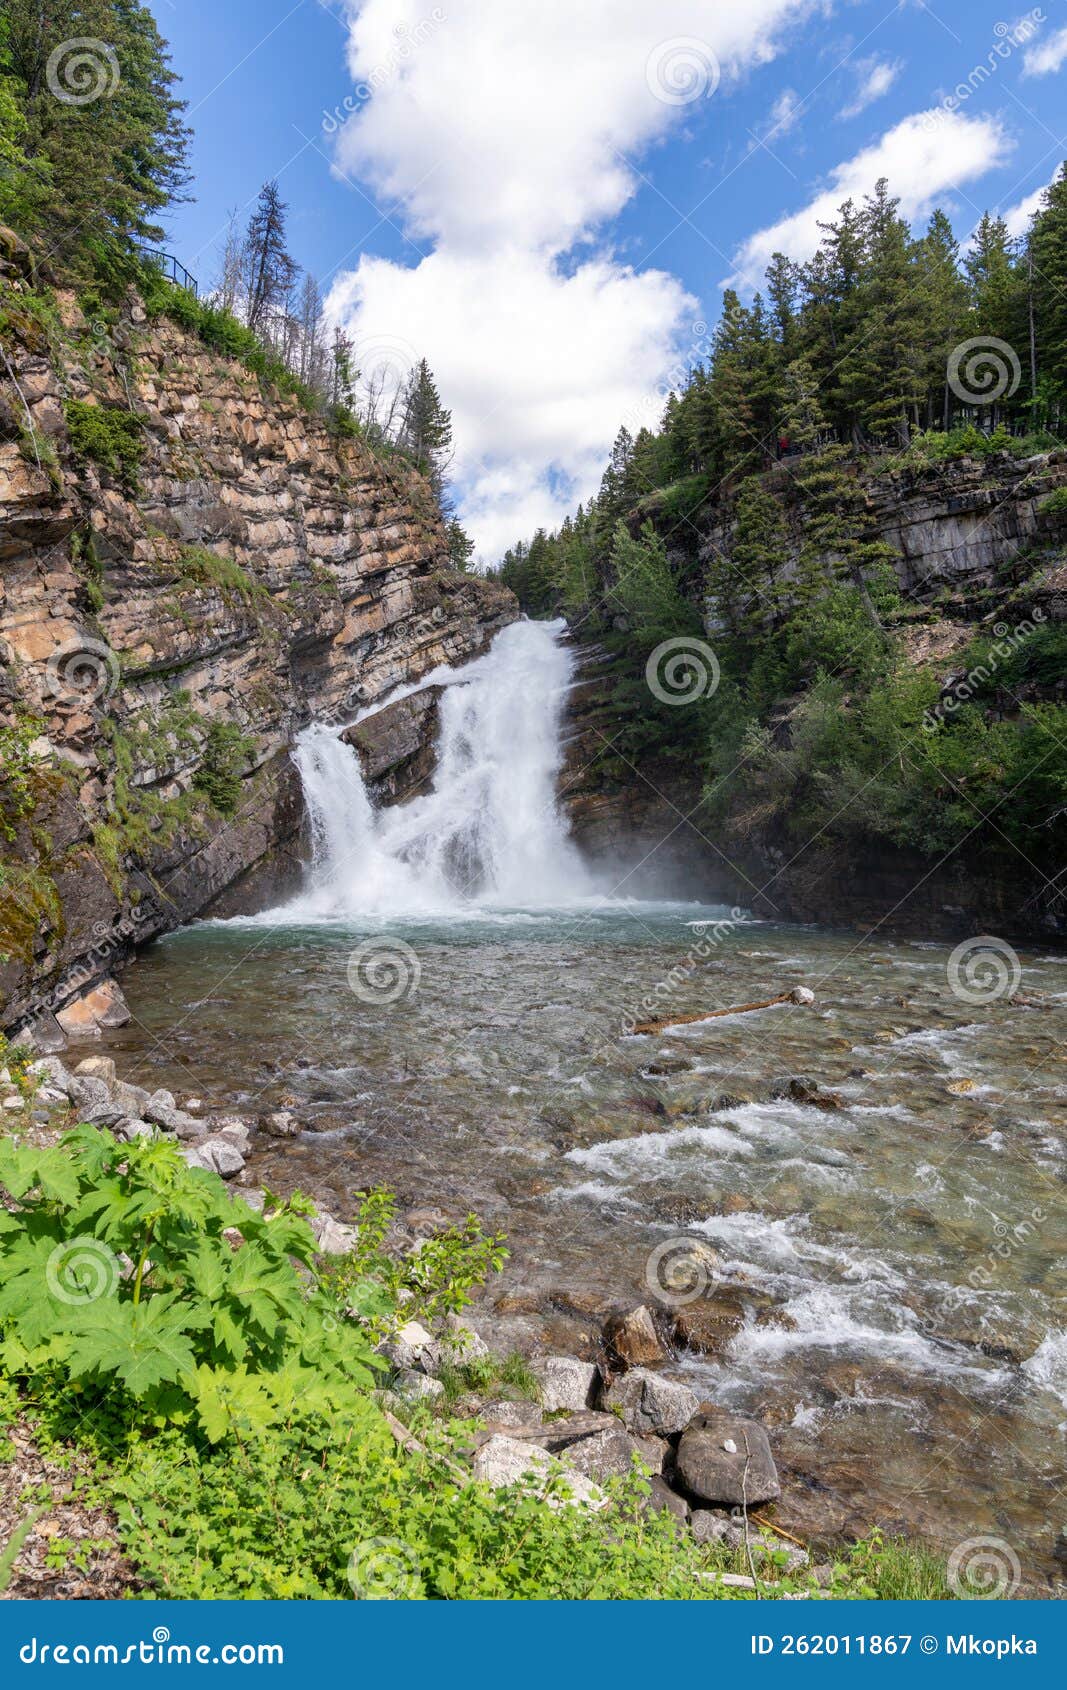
(511, 1374)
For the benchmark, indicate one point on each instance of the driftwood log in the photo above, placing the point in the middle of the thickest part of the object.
(799, 994)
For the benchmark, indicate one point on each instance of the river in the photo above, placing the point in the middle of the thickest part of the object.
(447, 1006)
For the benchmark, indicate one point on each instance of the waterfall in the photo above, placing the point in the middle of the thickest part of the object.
(489, 833)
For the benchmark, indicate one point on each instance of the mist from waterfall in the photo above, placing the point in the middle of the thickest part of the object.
(489, 834)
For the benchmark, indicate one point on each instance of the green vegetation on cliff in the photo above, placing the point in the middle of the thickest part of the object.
(744, 528)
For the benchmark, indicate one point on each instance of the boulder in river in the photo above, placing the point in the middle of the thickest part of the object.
(650, 1403)
(632, 1337)
(102, 1006)
(726, 1458)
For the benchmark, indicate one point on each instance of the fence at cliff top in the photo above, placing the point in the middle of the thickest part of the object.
(171, 268)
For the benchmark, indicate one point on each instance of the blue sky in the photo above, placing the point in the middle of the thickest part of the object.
(547, 199)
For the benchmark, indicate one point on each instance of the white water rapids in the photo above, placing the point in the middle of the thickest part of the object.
(489, 833)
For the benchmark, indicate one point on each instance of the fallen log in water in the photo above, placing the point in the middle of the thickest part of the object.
(799, 994)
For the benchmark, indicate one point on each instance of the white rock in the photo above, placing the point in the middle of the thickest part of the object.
(565, 1382)
(50, 1094)
(333, 1237)
(458, 1343)
(507, 1461)
(98, 1068)
(802, 994)
(14, 1104)
(408, 1345)
(50, 1069)
(215, 1155)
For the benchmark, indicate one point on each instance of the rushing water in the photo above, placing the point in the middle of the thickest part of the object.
(488, 834)
(446, 1007)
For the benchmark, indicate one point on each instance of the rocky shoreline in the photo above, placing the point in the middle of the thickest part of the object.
(592, 1420)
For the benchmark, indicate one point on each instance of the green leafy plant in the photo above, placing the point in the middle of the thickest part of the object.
(435, 1280)
(20, 771)
(133, 1274)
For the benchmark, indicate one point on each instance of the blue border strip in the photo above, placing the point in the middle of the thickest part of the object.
(444, 1645)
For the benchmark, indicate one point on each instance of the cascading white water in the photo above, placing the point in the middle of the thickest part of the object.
(488, 834)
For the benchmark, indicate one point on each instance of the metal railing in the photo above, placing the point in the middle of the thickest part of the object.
(171, 268)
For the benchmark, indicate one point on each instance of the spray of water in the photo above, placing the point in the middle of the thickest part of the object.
(489, 834)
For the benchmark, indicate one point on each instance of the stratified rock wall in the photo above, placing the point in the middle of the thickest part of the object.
(247, 573)
(977, 546)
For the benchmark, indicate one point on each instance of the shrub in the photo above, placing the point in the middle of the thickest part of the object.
(218, 777)
(438, 1278)
(109, 436)
(19, 771)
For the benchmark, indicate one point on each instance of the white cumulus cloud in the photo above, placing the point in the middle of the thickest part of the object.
(503, 136)
(1047, 56)
(925, 156)
(876, 77)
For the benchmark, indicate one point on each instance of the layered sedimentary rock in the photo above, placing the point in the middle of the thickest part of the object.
(172, 611)
(978, 546)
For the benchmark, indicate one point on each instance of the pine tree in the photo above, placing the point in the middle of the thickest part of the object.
(940, 316)
(460, 545)
(1048, 256)
(426, 430)
(100, 167)
(269, 267)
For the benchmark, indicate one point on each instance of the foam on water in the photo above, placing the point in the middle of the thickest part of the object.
(1047, 1367)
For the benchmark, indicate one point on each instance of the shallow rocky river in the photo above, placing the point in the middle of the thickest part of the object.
(879, 1176)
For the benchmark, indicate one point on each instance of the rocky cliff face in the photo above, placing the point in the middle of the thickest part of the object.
(191, 568)
(973, 541)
